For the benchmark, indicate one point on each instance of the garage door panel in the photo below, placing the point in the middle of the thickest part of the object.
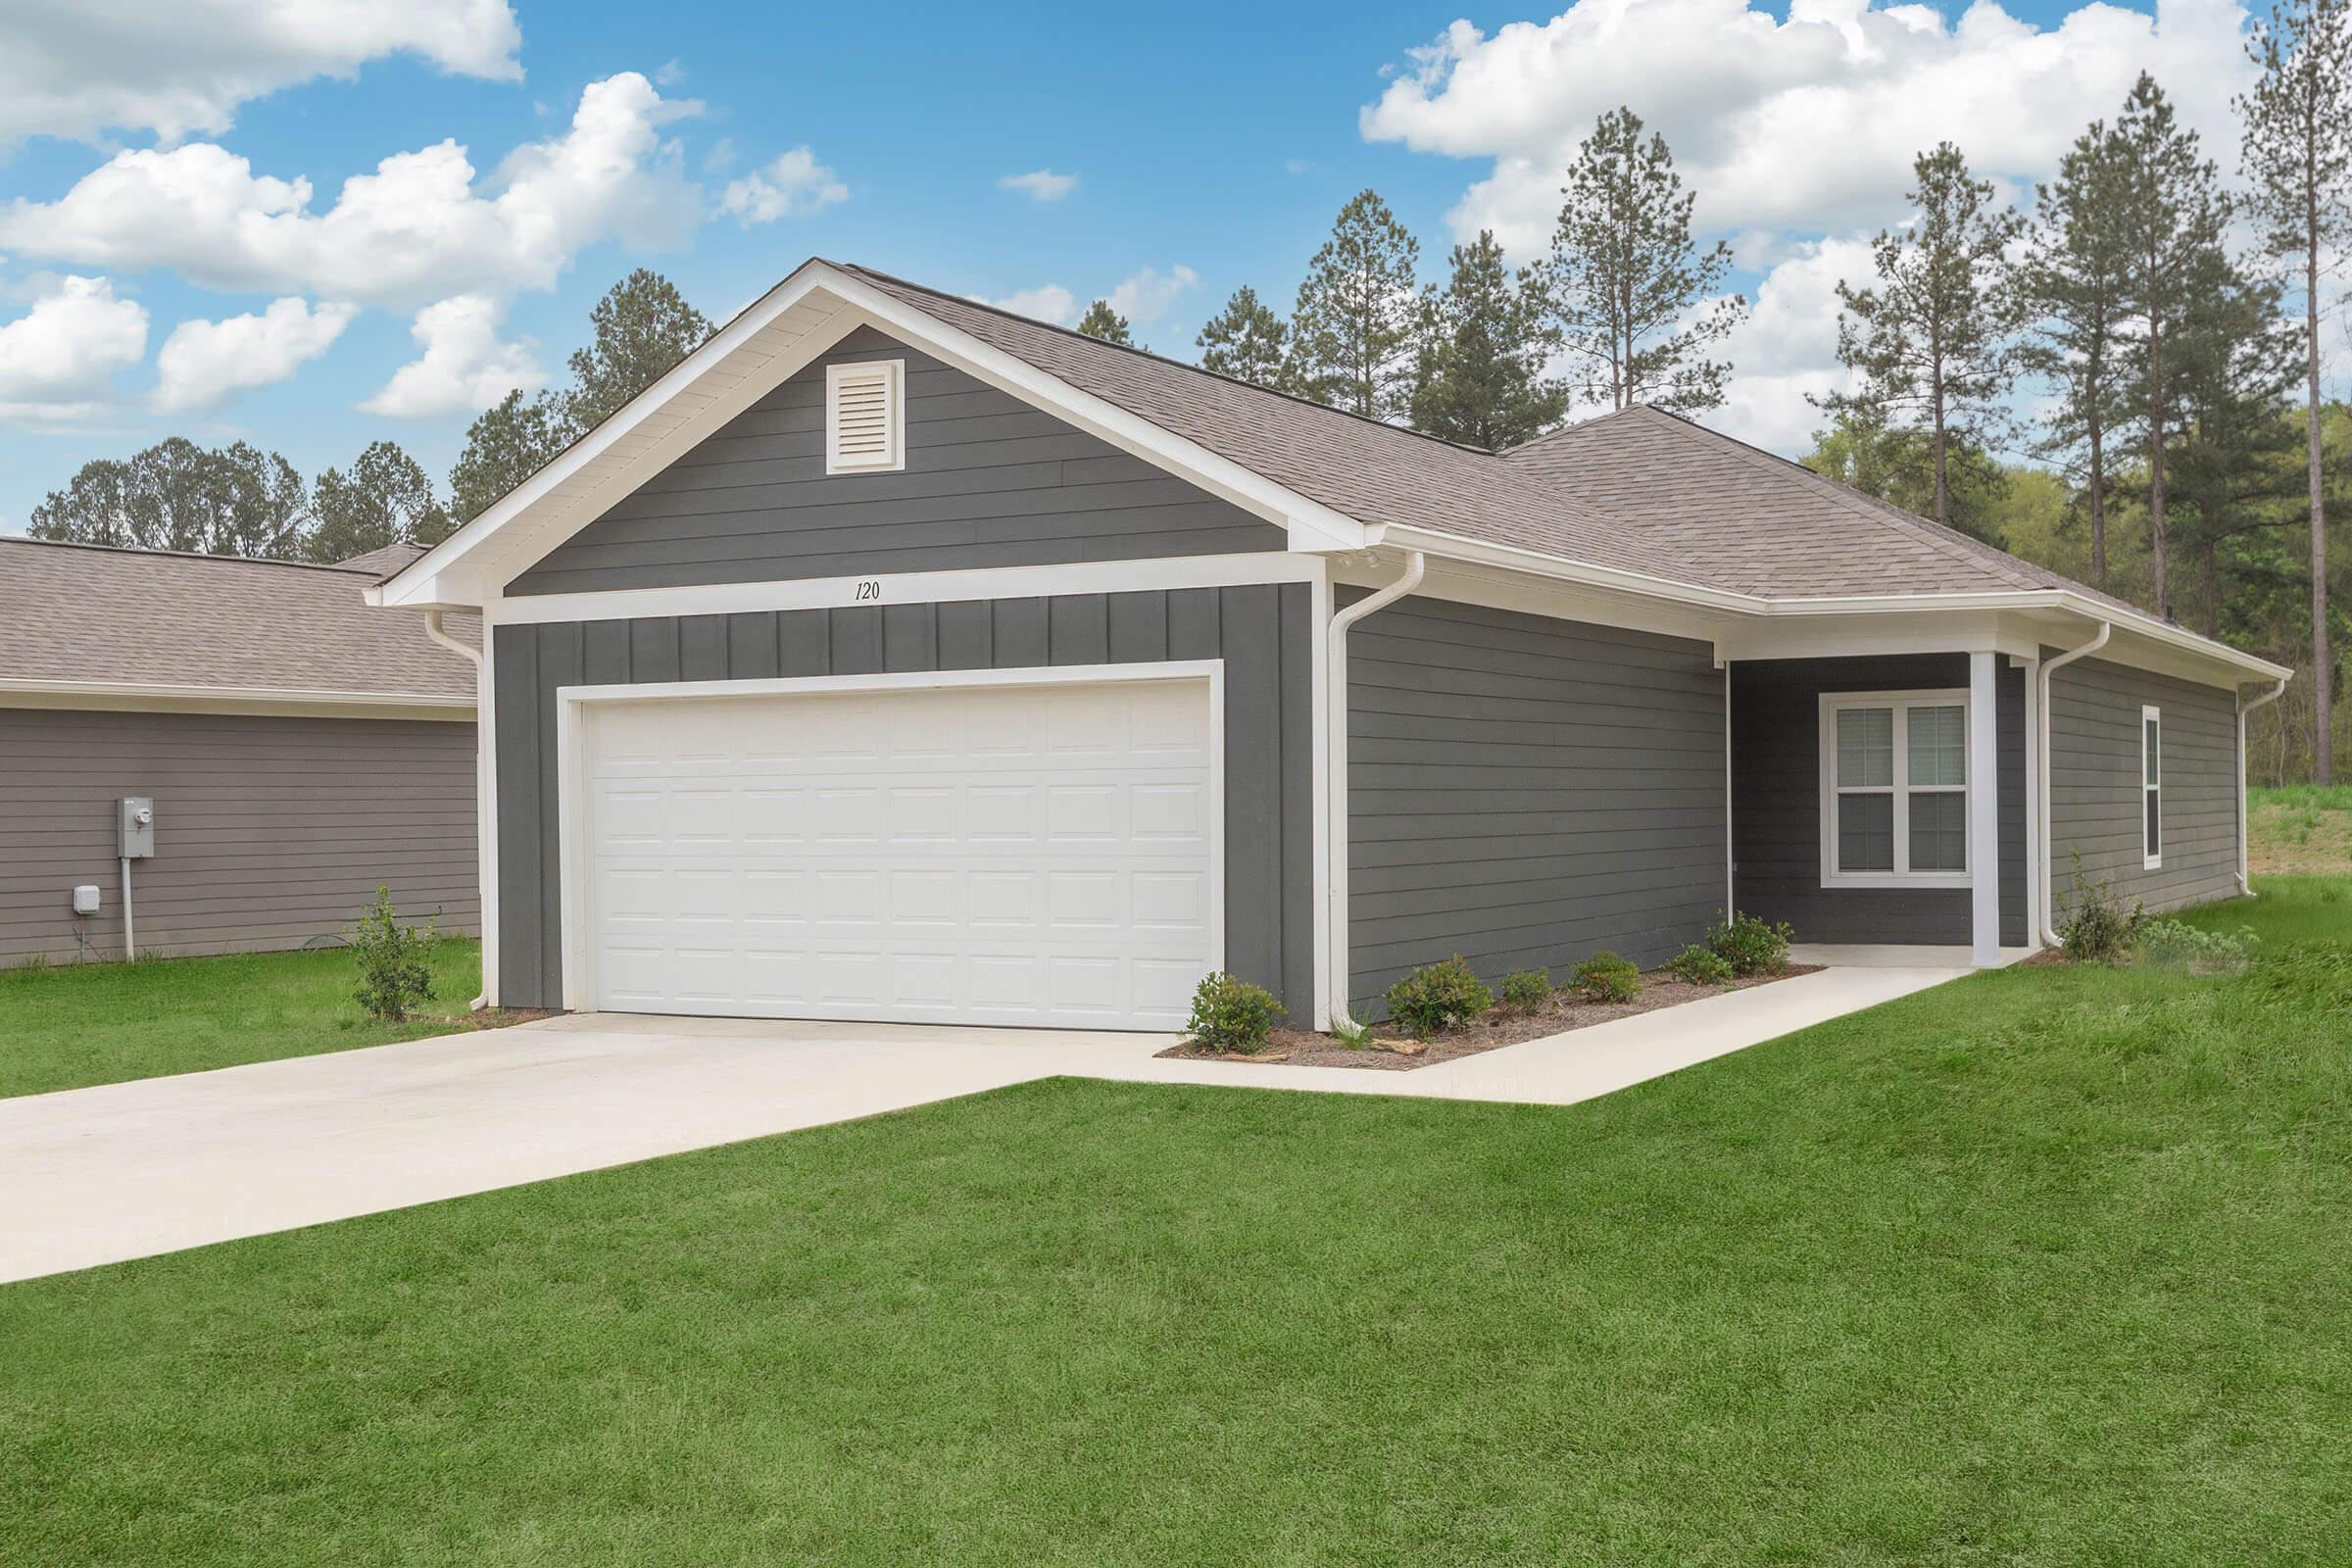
(1002, 854)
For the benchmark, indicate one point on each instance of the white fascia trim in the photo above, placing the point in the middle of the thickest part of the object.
(1323, 527)
(912, 588)
(574, 704)
(165, 697)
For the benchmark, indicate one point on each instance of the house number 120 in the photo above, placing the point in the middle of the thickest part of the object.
(868, 590)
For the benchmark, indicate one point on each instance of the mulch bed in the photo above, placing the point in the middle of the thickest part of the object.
(487, 1019)
(1393, 1052)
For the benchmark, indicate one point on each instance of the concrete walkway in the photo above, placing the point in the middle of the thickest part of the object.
(91, 1176)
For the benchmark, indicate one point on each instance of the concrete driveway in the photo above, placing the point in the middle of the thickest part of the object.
(91, 1176)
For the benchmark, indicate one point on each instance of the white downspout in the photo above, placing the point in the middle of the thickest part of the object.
(483, 828)
(2042, 769)
(2246, 821)
(1335, 812)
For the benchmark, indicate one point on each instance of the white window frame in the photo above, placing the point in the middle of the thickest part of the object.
(894, 387)
(1902, 876)
(2151, 856)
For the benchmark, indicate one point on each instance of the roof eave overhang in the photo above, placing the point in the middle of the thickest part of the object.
(747, 358)
(165, 697)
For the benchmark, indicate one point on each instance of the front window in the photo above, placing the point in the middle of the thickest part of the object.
(1894, 796)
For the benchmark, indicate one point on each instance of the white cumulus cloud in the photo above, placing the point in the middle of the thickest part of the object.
(417, 228)
(792, 186)
(202, 364)
(465, 366)
(1810, 122)
(57, 359)
(1040, 184)
(1050, 303)
(79, 68)
(1144, 296)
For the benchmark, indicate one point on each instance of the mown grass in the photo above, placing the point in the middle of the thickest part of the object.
(2046, 1266)
(68, 1026)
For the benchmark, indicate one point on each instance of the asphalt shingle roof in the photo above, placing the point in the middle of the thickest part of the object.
(89, 612)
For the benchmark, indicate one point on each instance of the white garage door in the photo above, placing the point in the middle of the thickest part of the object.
(984, 854)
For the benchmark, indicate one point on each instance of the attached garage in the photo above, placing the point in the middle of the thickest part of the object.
(1024, 848)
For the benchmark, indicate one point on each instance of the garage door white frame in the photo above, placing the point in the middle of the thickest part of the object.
(573, 732)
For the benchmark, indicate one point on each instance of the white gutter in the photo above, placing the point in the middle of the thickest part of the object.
(2049, 923)
(1335, 813)
(2245, 822)
(483, 825)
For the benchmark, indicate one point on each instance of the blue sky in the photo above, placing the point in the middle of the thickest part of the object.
(1210, 147)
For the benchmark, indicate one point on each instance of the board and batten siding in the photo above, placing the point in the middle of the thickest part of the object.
(1524, 791)
(1262, 632)
(990, 481)
(2094, 785)
(1776, 802)
(272, 831)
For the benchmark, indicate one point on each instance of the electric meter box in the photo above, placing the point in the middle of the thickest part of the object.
(137, 824)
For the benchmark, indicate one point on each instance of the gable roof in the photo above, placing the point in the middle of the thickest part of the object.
(99, 618)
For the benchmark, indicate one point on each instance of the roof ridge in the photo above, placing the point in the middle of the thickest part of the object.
(1159, 359)
(1940, 537)
(189, 555)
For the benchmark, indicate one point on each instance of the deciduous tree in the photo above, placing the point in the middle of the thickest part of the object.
(176, 495)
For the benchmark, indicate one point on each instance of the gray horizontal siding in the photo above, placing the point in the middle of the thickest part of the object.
(1261, 632)
(271, 831)
(990, 481)
(1776, 805)
(1524, 791)
(2094, 784)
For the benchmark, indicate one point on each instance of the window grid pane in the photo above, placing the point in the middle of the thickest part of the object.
(1865, 747)
(1938, 831)
(1866, 832)
(2150, 759)
(2155, 823)
(1939, 747)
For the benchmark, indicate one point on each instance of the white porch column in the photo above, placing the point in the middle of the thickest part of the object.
(1984, 810)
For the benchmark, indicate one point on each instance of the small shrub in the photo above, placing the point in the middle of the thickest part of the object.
(1607, 977)
(1429, 1001)
(1230, 1014)
(1752, 944)
(1529, 988)
(1701, 966)
(2176, 946)
(394, 977)
(2097, 927)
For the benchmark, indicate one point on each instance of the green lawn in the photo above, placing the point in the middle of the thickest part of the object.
(2302, 827)
(66, 1026)
(2044, 1266)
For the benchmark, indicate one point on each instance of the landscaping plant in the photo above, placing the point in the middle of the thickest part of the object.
(1230, 1014)
(1607, 977)
(1437, 998)
(395, 978)
(1752, 944)
(2179, 945)
(1527, 988)
(1701, 966)
(2097, 928)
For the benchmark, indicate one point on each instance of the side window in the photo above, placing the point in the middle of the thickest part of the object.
(2151, 787)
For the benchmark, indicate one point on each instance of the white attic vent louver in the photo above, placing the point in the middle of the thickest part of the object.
(865, 416)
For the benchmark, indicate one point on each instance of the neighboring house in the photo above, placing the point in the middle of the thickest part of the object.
(896, 658)
(299, 750)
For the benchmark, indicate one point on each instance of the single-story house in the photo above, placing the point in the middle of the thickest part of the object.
(898, 658)
(295, 751)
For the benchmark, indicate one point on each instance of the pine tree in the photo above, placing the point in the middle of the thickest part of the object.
(2073, 284)
(1635, 303)
(1246, 340)
(176, 495)
(1480, 376)
(2234, 362)
(642, 326)
(1101, 321)
(504, 446)
(2173, 211)
(2298, 162)
(1352, 331)
(385, 499)
(1931, 341)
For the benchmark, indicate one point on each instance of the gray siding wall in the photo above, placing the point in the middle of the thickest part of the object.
(1262, 633)
(269, 830)
(2094, 784)
(1776, 803)
(1524, 791)
(990, 481)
